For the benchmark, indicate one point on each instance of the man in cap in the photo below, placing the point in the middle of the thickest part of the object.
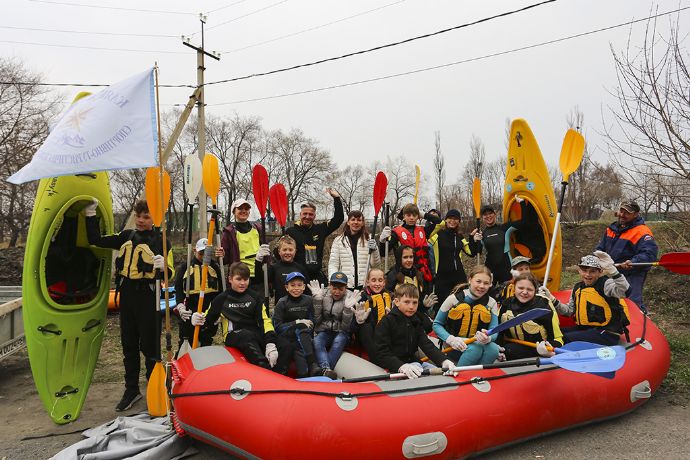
(241, 243)
(629, 241)
(310, 237)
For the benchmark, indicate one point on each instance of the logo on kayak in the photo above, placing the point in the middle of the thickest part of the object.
(606, 353)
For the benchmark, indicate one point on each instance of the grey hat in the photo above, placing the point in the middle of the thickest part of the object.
(590, 261)
(519, 260)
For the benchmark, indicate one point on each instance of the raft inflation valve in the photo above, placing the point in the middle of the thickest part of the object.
(640, 391)
(481, 385)
(424, 445)
(346, 401)
(244, 386)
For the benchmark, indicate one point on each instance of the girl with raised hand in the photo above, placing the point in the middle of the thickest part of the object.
(352, 250)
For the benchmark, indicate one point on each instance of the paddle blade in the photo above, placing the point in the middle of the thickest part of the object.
(519, 319)
(576, 346)
(571, 153)
(677, 262)
(211, 176)
(477, 196)
(192, 177)
(152, 189)
(156, 393)
(380, 186)
(260, 188)
(278, 197)
(184, 349)
(418, 173)
(594, 360)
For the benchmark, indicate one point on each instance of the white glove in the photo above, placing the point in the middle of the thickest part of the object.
(482, 337)
(263, 251)
(542, 349)
(352, 299)
(519, 199)
(448, 365)
(317, 290)
(198, 319)
(410, 370)
(606, 262)
(306, 322)
(456, 343)
(361, 314)
(478, 236)
(429, 300)
(544, 292)
(385, 234)
(158, 262)
(90, 209)
(271, 354)
(501, 354)
(184, 313)
(371, 244)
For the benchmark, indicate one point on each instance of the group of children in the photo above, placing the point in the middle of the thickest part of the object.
(391, 317)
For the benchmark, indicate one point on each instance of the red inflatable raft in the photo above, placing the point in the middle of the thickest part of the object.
(221, 399)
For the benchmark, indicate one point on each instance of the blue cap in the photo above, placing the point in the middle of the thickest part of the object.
(292, 275)
(338, 278)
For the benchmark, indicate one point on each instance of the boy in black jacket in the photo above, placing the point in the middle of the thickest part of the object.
(278, 271)
(249, 328)
(400, 333)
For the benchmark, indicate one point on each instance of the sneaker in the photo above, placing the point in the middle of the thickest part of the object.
(330, 373)
(314, 370)
(128, 400)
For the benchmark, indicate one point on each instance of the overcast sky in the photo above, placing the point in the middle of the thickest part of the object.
(356, 123)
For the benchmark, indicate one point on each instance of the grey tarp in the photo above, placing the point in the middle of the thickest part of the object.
(138, 436)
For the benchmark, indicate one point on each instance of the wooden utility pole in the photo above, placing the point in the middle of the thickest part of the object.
(200, 53)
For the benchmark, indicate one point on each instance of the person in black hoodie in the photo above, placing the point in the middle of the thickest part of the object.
(310, 237)
(404, 272)
(250, 329)
(400, 333)
(278, 271)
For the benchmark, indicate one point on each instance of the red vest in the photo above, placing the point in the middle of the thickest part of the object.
(418, 242)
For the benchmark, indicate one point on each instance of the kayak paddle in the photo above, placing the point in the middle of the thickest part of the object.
(677, 262)
(380, 186)
(387, 218)
(477, 202)
(211, 181)
(260, 191)
(278, 199)
(519, 319)
(571, 156)
(192, 185)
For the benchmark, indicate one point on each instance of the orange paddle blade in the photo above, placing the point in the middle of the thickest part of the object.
(211, 176)
(152, 188)
(156, 392)
(477, 196)
(571, 153)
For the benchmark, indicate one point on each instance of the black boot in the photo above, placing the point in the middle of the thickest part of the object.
(314, 369)
(131, 396)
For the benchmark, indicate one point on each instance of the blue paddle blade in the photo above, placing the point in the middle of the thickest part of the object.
(579, 345)
(519, 319)
(593, 360)
(318, 378)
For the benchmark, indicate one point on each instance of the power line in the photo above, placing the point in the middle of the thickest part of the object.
(226, 6)
(84, 5)
(30, 83)
(377, 48)
(87, 32)
(246, 15)
(450, 64)
(271, 40)
(93, 47)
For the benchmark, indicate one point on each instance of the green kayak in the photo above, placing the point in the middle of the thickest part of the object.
(66, 283)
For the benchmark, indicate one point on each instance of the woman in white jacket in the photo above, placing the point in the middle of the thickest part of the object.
(352, 249)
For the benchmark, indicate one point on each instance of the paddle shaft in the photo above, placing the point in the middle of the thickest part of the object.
(189, 245)
(220, 258)
(387, 217)
(556, 227)
(204, 278)
(533, 345)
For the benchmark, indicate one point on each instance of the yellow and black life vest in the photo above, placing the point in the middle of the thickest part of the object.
(409, 280)
(379, 303)
(194, 274)
(464, 320)
(594, 308)
(248, 243)
(534, 330)
(135, 259)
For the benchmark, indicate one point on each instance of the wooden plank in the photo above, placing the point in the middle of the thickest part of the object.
(10, 306)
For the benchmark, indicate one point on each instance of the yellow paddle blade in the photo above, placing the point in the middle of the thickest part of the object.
(571, 153)
(156, 393)
(418, 173)
(153, 194)
(81, 95)
(477, 196)
(211, 176)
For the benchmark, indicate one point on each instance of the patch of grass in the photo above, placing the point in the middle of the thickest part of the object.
(678, 379)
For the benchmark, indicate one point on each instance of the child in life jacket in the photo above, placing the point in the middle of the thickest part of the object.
(333, 308)
(279, 270)
(400, 333)
(187, 302)
(413, 235)
(404, 272)
(249, 328)
(544, 331)
(293, 319)
(374, 304)
(506, 290)
(596, 303)
(468, 312)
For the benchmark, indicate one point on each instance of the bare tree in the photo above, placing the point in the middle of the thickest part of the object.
(651, 122)
(401, 180)
(351, 183)
(439, 169)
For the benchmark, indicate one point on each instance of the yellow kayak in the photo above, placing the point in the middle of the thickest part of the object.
(528, 177)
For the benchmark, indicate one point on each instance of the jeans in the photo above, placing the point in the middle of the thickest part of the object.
(337, 341)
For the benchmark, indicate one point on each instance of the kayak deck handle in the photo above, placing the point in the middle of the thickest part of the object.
(50, 331)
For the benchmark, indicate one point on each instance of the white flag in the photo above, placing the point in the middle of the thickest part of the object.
(112, 129)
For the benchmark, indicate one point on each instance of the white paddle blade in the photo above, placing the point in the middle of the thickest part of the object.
(192, 176)
(184, 349)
